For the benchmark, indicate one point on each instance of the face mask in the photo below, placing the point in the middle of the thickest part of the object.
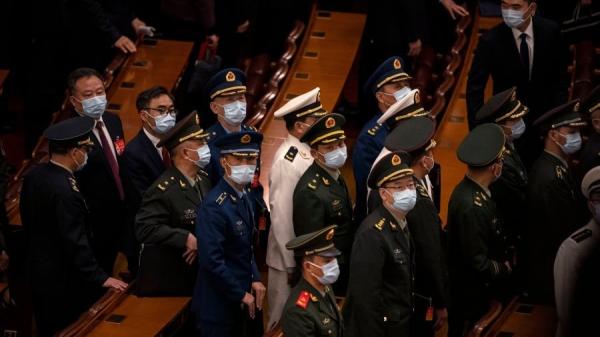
(203, 156)
(428, 168)
(400, 94)
(336, 158)
(573, 143)
(235, 112)
(85, 158)
(94, 107)
(163, 123)
(517, 129)
(404, 200)
(512, 17)
(242, 174)
(331, 272)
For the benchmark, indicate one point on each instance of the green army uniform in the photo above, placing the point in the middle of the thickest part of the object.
(308, 312)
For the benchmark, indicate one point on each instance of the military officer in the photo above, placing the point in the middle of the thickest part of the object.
(289, 163)
(590, 154)
(553, 207)
(478, 257)
(388, 84)
(65, 276)
(167, 215)
(509, 191)
(228, 287)
(576, 274)
(311, 309)
(415, 136)
(321, 196)
(380, 291)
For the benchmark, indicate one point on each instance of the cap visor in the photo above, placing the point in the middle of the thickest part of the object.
(331, 252)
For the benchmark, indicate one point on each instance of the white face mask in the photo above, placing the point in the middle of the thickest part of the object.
(512, 17)
(163, 123)
(235, 112)
(331, 272)
(336, 158)
(400, 93)
(517, 129)
(573, 143)
(242, 174)
(203, 156)
(85, 158)
(94, 107)
(404, 200)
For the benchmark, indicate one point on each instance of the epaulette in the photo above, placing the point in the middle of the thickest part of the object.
(302, 300)
(373, 131)
(291, 154)
(422, 191)
(221, 198)
(582, 235)
(164, 185)
(379, 224)
(560, 172)
(73, 184)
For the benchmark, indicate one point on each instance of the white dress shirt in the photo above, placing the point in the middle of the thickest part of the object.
(107, 135)
(154, 141)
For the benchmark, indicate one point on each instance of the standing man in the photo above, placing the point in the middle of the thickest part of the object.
(525, 51)
(101, 180)
(65, 276)
(228, 288)
(311, 309)
(553, 207)
(168, 212)
(380, 291)
(290, 161)
(510, 190)
(590, 154)
(478, 258)
(576, 274)
(321, 197)
(389, 85)
(415, 136)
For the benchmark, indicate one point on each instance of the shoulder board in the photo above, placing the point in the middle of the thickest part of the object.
(582, 235)
(221, 198)
(291, 153)
(73, 184)
(165, 184)
(379, 224)
(302, 300)
(312, 184)
(373, 131)
(422, 191)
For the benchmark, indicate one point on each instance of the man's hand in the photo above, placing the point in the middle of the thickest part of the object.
(4, 261)
(259, 290)
(414, 48)
(191, 249)
(248, 300)
(454, 9)
(441, 316)
(115, 284)
(126, 45)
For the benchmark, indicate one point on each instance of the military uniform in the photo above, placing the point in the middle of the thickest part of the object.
(553, 207)
(380, 292)
(576, 273)
(65, 276)
(478, 249)
(590, 154)
(225, 227)
(310, 312)
(291, 160)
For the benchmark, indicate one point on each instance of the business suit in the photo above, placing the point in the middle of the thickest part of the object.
(497, 55)
(225, 228)
(99, 188)
(143, 163)
(65, 276)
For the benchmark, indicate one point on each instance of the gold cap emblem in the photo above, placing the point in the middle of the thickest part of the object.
(397, 64)
(396, 160)
(245, 139)
(330, 122)
(230, 77)
(330, 235)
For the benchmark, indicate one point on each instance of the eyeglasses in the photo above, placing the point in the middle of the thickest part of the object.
(164, 111)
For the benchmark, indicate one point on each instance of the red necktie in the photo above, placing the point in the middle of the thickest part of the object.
(112, 161)
(166, 157)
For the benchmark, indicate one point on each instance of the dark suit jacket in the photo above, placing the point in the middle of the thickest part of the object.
(143, 163)
(497, 55)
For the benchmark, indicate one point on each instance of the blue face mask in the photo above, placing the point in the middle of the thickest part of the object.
(94, 107)
(242, 174)
(203, 156)
(331, 272)
(404, 200)
(163, 123)
(517, 129)
(235, 112)
(512, 17)
(573, 143)
(400, 94)
(336, 158)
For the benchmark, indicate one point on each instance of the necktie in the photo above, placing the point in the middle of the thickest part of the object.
(112, 161)
(166, 157)
(524, 51)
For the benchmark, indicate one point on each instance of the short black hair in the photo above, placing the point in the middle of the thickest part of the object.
(147, 95)
(80, 73)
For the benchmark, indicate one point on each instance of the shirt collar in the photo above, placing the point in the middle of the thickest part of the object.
(564, 162)
(61, 165)
(152, 138)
